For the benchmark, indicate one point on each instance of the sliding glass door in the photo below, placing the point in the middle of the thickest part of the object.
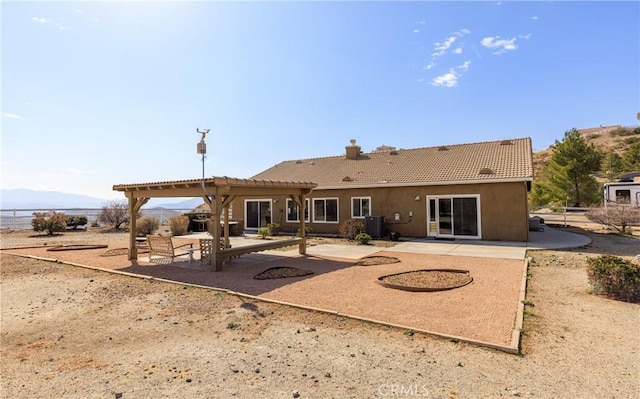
(257, 214)
(453, 216)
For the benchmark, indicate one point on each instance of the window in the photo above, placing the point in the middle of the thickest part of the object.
(623, 196)
(325, 210)
(360, 207)
(293, 211)
(453, 216)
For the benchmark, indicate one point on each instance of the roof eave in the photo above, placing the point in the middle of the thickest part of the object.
(428, 183)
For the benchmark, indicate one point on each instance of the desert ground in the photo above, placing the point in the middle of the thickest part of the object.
(74, 332)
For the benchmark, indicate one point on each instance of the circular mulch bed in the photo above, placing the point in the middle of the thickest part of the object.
(282, 272)
(427, 280)
(377, 260)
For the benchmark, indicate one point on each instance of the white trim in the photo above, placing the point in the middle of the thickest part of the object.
(452, 196)
(269, 200)
(308, 209)
(313, 206)
(360, 198)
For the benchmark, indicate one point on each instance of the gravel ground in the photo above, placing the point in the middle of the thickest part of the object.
(77, 333)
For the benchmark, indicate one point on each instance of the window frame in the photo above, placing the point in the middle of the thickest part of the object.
(337, 201)
(307, 210)
(360, 199)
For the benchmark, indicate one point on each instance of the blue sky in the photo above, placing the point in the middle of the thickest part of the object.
(102, 93)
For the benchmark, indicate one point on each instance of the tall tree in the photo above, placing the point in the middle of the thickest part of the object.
(568, 176)
(631, 158)
(612, 165)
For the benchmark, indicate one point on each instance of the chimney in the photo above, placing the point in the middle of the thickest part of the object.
(353, 150)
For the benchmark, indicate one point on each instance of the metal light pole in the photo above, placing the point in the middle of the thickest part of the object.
(202, 149)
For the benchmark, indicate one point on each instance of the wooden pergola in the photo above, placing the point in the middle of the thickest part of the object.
(218, 192)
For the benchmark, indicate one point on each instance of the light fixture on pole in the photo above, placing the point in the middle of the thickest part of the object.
(202, 149)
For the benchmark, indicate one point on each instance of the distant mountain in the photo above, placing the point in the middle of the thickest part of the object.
(31, 199)
(190, 203)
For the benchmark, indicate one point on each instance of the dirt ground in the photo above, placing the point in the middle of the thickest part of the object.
(78, 333)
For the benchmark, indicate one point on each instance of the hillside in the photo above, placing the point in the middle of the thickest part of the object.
(604, 138)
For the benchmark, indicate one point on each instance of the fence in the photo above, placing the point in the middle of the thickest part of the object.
(562, 215)
(20, 219)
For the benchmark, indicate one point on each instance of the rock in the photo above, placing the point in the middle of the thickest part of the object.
(296, 394)
(459, 364)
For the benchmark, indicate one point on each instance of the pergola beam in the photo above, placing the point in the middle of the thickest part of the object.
(218, 193)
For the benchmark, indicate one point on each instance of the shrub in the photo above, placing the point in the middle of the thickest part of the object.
(615, 277)
(75, 221)
(350, 228)
(363, 238)
(307, 231)
(114, 213)
(179, 225)
(50, 222)
(621, 216)
(146, 225)
(274, 228)
(263, 232)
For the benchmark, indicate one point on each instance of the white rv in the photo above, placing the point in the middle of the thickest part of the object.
(622, 192)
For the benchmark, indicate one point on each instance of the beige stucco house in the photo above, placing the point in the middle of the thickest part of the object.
(465, 191)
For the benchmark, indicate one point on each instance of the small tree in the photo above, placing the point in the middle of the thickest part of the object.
(620, 216)
(115, 213)
(179, 225)
(350, 228)
(50, 222)
(146, 225)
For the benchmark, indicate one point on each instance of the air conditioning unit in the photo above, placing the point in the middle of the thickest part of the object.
(374, 226)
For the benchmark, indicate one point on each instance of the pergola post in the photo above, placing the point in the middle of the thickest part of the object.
(302, 247)
(135, 204)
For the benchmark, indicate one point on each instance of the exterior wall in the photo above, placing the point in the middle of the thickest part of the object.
(504, 215)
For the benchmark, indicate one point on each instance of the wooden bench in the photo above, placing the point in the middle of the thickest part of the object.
(163, 246)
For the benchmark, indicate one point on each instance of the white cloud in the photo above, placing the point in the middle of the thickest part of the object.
(458, 50)
(416, 31)
(535, 17)
(526, 37)
(463, 31)
(12, 116)
(430, 65)
(40, 20)
(500, 45)
(464, 66)
(442, 47)
(449, 79)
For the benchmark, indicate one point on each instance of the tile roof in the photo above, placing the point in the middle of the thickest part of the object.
(510, 160)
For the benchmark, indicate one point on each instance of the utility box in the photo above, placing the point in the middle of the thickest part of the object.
(374, 226)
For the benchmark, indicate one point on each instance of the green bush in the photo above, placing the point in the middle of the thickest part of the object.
(350, 228)
(146, 225)
(274, 228)
(307, 231)
(50, 222)
(179, 225)
(263, 232)
(363, 238)
(75, 220)
(615, 277)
